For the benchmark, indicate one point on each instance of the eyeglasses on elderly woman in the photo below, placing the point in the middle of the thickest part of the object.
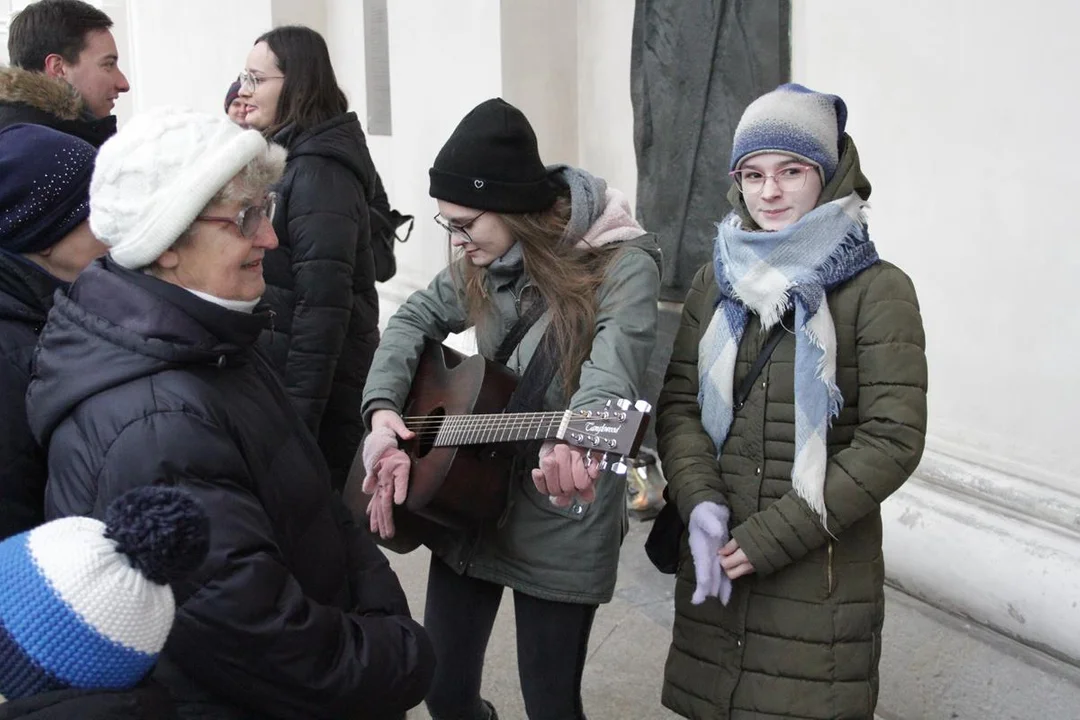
(249, 219)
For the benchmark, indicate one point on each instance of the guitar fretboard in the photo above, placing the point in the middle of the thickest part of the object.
(483, 429)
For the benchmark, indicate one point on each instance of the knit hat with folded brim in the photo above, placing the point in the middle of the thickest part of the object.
(86, 604)
(156, 175)
(795, 120)
(491, 162)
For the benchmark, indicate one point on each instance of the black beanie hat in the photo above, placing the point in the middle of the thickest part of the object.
(491, 162)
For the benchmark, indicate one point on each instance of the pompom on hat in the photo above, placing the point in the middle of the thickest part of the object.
(84, 603)
(155, 176)
(795, 120)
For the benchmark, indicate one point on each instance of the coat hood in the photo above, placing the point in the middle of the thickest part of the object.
(36, 98)
(116, 325)
(601, 215)
(38, 90)
(340, 139)
(847, 179)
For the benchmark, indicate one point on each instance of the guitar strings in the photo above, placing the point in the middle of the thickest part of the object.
(452, 423)
(429, 426)
(428, 420)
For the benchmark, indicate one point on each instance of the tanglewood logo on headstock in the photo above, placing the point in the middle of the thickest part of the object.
(597, 428)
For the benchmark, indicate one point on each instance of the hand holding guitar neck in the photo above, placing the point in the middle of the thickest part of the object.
(565, 472)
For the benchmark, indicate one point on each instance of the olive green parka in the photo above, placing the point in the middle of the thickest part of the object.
(801, 636)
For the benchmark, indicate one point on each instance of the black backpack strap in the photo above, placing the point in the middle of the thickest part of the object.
(747, 384)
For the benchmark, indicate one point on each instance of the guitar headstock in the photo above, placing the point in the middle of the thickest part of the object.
(615, 428)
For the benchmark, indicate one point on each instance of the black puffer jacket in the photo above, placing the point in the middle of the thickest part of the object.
(36, 98)
(147, 702)
(295, 613)
(25, 298)
(321, 283)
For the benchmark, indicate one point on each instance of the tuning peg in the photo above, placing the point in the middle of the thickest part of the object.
(604, 462)
(620, 468)
(624, 404)
(643, 406)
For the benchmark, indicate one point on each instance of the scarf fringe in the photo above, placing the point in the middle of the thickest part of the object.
(836, 398)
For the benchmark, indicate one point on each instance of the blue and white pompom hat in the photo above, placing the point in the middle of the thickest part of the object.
(795, 120)
(86, 604)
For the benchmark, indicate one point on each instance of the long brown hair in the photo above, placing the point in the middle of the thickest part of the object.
(567, 277)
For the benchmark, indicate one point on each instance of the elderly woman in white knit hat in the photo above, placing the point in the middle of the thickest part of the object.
(147, 371)
(794, 404)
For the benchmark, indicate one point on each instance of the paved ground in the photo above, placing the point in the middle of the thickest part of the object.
(629, 640)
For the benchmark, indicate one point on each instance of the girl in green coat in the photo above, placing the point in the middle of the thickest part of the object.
(524, 233)
(779, 594)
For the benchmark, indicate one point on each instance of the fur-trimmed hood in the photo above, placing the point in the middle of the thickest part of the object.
(36, 98)
(38, 90)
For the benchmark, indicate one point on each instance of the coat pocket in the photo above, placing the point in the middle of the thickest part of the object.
(577, 510)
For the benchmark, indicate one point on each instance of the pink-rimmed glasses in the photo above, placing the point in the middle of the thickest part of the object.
(789, 178)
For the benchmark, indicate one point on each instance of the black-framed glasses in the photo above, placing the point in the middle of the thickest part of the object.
(461, 230)
(252, 81)
(250, 218)
(791, 178)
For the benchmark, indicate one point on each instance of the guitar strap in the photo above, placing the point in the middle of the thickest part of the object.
(533, 310)
(528, 395)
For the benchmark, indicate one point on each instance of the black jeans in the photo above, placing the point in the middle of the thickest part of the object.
(552, 641)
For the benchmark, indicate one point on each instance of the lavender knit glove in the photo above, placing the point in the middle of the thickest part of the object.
(709, 533)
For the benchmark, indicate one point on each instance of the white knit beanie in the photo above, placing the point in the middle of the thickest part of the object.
(156, 175)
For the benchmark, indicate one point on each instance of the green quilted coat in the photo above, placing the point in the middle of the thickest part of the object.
(801, 637)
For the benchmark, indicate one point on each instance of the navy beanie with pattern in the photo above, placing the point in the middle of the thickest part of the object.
(86, 604)
(44, 186)
(795, 120)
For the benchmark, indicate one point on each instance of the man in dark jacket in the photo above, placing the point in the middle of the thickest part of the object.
(148, 371)
(64, 70)
(45, 241)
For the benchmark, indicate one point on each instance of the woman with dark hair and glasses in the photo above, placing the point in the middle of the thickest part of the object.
(148, 372)
(794, 404)
(321, 278)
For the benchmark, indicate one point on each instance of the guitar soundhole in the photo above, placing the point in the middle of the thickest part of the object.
(425, 437)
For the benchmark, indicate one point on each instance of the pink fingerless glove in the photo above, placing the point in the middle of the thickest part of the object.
(376, 444)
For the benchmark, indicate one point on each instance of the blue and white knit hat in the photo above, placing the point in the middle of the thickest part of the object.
(796, 120)
(86, 604)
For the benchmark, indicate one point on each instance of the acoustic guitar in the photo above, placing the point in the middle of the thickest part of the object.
(463, 450)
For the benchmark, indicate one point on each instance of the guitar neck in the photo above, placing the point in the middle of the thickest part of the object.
(451, 430)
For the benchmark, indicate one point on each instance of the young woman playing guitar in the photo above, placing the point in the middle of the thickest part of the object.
(524, 234)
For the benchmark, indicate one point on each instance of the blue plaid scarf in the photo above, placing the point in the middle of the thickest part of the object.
(765, 273)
